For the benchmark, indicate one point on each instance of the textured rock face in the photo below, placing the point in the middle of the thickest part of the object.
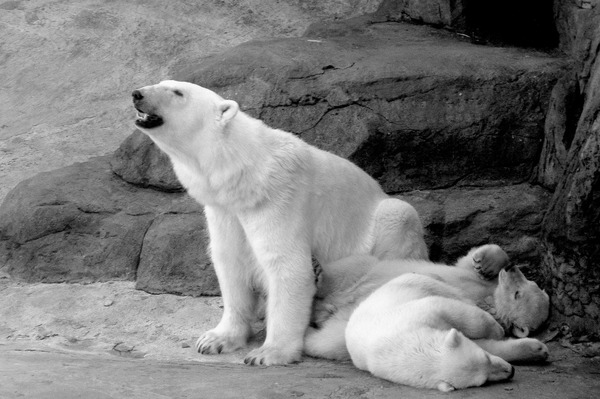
(174, 257)
(416, 108)
(571, 164)
(531, 26)
(82, 224)
(138, 161)
(457, 220)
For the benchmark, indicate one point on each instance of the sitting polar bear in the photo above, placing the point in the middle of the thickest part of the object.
(479, 278)
(271, 201)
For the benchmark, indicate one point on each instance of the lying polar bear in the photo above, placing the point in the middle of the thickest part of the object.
(480, 277)
(410, 331)
(418, 329)
(271, 201)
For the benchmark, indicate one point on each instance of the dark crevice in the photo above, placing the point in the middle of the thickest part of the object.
(138, 256)
(574, 102)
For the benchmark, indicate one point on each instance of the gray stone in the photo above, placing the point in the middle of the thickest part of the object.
(414, 107)
(174, 257)
(459, 219)
(139, 161)
(496, 22)
(571, 165)
(448, 13)
(82, 224)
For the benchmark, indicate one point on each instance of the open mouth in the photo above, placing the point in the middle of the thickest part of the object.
(148, 121)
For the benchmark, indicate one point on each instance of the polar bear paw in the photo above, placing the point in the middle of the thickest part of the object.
(212, 342)
(532, 350)
(488, 260)
(268, 355)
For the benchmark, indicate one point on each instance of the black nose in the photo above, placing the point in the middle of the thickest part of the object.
(137, 95)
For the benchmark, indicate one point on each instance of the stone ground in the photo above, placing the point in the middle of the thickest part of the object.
(108, 340)
(67, 70)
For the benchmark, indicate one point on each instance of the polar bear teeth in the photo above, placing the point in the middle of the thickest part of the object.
(142, 116)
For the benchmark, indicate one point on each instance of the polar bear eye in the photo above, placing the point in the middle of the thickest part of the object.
(178, 93)
(517, 295)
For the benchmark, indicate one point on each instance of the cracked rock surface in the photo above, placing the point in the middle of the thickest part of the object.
(416, 107)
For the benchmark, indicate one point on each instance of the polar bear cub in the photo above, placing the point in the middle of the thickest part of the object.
(409, 332)
(480, 277)
(271, 201)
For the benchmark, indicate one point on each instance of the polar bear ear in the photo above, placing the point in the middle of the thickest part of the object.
(453, 339)
(227, 109)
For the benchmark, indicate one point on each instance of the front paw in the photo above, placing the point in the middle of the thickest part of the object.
(488, 260)
(212, 342)
(532, 350)
(269, 355)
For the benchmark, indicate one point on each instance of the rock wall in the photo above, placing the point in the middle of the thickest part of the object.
(570, 164)
(514, 22)
(419, 109)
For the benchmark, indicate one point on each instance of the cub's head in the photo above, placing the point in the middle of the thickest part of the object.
(521, 306)
(464, 364)
(173, 111)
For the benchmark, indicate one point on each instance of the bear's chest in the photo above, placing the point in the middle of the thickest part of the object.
(232, 191)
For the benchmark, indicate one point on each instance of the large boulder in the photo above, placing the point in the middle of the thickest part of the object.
(415, 107)
(82, 224)
(139, 161)
(174, 257)
(458, 219)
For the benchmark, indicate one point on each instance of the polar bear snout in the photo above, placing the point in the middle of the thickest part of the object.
(147, 117)
(512, 373)
(137, 95)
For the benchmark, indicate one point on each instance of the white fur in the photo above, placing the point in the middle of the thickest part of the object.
(271, 201)
(347, 282)
(409, 331)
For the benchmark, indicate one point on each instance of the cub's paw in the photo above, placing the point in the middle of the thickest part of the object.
(496, 331)
(270, 355)
(212, 342)
(531, 350)
(488, 260)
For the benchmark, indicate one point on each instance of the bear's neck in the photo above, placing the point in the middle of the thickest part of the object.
(234, 171)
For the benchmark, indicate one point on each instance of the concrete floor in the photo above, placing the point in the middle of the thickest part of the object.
(108, 340)
(27, 372)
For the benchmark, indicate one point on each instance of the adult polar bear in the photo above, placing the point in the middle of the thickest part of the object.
(271, 200)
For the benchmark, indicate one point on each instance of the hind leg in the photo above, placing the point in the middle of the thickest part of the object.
(486, 261)
(398, 231)
(515, 350)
